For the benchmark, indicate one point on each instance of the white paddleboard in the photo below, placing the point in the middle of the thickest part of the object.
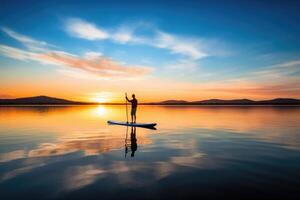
(144, 125)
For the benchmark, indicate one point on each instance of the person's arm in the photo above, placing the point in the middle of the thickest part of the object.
(128, 99)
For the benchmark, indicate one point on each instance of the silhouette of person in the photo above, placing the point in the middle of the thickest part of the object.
(134, 104)
(133, 141)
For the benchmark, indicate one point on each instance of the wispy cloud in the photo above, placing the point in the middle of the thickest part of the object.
(16, 53)
(28, 42)
(180, 45)
(125, 34)
(186, 46)
(281, 72)
(82, 29)
(99, 66)
(182, 65)
(91, 55)
(93, 63)
(274, 80)
(272, 90)
(292, 63)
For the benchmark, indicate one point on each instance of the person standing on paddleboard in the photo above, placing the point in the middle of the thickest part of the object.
(134, 104)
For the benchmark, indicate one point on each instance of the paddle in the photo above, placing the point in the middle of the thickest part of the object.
(126, 148)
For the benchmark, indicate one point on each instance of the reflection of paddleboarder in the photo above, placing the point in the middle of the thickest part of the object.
(134, 104)
(133, 141)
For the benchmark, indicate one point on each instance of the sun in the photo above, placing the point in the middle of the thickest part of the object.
(100, 99)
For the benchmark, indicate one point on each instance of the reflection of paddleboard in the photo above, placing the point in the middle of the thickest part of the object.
(143, 125)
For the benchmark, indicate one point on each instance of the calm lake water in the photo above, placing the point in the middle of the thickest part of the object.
(57, 152)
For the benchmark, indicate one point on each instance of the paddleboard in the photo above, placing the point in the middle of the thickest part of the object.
(143, 125)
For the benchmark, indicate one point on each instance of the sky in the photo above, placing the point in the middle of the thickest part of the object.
(159, 50)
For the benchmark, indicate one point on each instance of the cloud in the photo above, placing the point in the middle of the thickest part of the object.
(185, 46)
(96, 65)
(101, 66)
(180, 45)
(28, 42)
(292, 63)
(82, 29)
(124, 35)
(15, 53)
(91, 55)
(182, 65)
(274, 80)
(281, 72)
(291, 89)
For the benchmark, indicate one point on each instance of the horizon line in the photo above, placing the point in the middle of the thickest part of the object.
(243, 101)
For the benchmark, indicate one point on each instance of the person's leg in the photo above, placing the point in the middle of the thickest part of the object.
(134, 118)
(131, 115)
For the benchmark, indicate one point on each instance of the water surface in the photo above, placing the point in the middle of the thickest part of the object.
(69, 152)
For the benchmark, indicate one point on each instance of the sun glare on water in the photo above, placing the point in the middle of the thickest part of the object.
(100, 111)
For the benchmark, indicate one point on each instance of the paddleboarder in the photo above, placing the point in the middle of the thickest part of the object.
(134, 103)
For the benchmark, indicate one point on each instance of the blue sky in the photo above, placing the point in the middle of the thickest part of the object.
(216, 48)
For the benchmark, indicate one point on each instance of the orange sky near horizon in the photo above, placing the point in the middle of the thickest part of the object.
(148, 90)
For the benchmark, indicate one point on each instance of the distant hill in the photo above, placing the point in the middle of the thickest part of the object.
(174, 102)
(220, 101)
(278, 101)
(45, 100)
(37, 100)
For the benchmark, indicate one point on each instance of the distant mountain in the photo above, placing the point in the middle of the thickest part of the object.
(278, 101)
(38, 100)
(174, 102)
(220, 101)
